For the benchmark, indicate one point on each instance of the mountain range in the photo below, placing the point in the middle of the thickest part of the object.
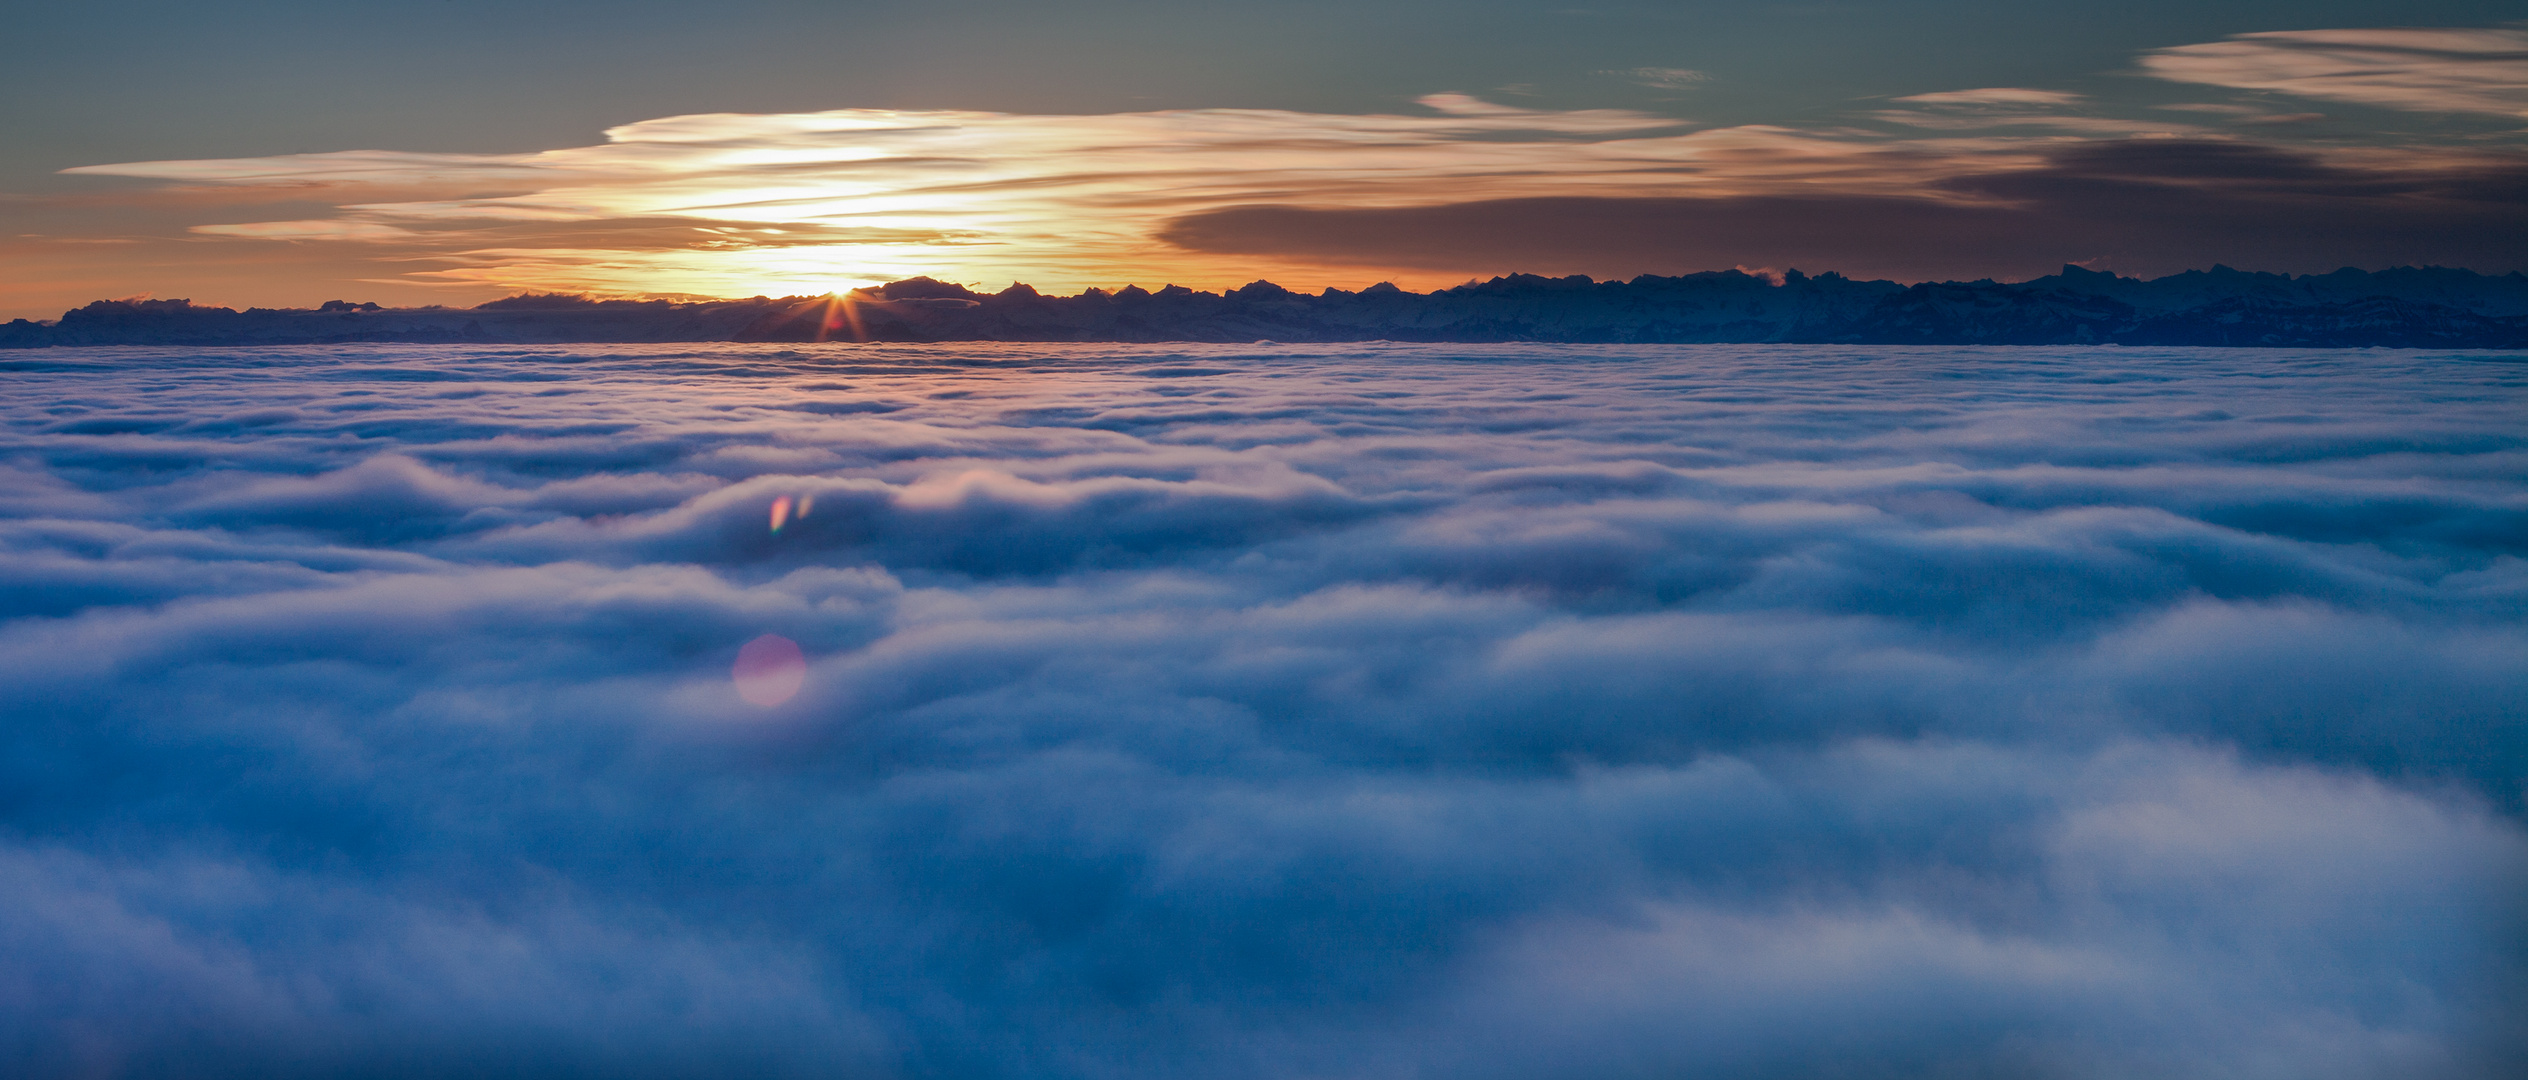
(2406, 307)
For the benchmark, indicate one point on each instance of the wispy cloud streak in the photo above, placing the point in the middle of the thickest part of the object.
(2459, 71)
(1058, 200)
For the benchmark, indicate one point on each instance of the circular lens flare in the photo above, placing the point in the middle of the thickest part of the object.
(769, 670)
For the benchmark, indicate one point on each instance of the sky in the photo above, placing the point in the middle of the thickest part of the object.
(454, 151)
(1011, 712)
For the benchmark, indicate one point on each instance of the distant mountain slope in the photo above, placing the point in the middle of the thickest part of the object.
(2404, 308)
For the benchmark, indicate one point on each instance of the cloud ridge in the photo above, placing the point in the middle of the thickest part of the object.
(1256, 710)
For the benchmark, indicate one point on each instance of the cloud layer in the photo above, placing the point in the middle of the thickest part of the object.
(1256, 712)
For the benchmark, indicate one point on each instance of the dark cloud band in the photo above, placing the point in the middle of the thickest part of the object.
(2142, 206)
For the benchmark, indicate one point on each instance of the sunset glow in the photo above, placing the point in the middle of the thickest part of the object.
(806, 203)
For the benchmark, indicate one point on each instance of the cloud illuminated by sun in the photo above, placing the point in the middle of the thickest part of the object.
(812, 201)
(806, 203)
(2421, 70)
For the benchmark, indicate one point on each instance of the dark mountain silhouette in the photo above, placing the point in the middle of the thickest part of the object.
(2407, 307)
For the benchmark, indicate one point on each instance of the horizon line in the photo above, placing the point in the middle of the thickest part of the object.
(877, 293)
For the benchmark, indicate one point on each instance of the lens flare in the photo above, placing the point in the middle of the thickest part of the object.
(769, 670)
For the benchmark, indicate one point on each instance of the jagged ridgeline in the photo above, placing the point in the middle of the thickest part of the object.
(2407, 307)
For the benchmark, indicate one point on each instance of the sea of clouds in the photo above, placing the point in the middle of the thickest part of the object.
(1265, 712)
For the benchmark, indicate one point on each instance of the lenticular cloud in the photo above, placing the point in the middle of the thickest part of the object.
(1108, 712)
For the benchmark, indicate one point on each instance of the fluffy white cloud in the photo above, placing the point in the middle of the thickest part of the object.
(1230, 712)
